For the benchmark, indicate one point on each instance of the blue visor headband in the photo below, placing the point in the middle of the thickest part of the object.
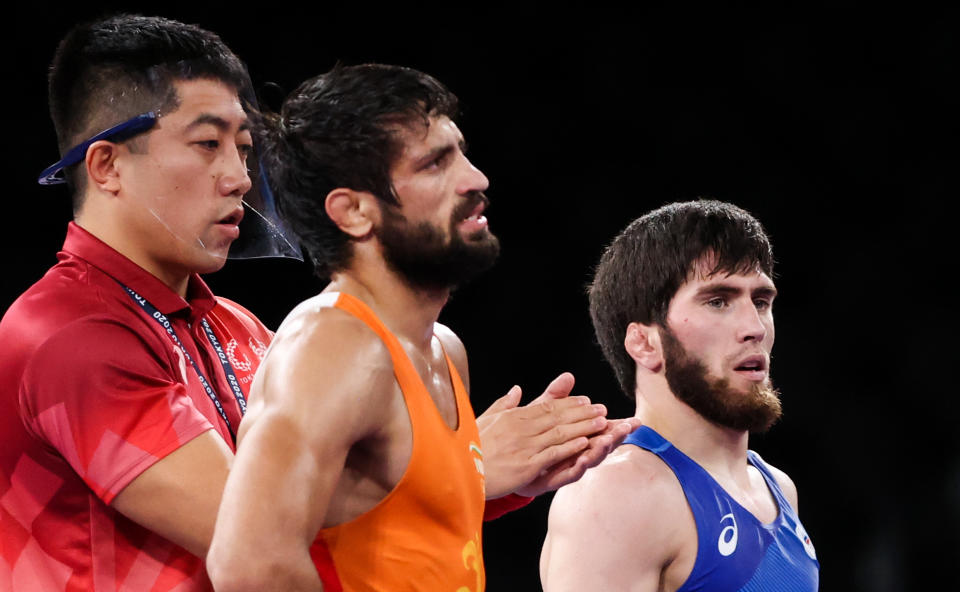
(54, 174)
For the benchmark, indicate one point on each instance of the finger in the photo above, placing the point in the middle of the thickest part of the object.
(558, 388)
(624, 427)
(619, 434)
(599, 448)
(548, 406)
(572, 468)
(565, 432)
(552, 420)
(508, 401)
(558, 453)
(562, 474)
(616, 432)
(632, 423)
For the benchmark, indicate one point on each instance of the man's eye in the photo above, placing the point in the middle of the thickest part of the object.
(209, 144)
(762, 304)
(245, 150)
(440, 161)
(716, 302)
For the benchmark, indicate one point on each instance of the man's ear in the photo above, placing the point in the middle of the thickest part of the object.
(101, 164)
(642, 343)
(354, 212)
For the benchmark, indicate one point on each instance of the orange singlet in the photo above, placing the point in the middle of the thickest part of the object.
(425, 534)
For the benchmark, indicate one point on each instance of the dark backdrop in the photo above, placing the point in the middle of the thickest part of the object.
(836, 127)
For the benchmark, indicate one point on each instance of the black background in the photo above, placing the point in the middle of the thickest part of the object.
(835, 126)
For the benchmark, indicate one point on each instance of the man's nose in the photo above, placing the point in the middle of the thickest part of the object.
(235, 180)
(473, 179)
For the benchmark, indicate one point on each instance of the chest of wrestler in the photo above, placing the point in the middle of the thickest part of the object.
(723, 545)
(376, 466)
(746, 555)
(710, 539)
(425, 532)
(706, 557)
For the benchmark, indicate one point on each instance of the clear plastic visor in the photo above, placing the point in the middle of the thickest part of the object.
(195, 211)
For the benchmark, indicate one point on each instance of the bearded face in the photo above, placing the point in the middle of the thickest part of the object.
(431, 257)
(754, 409)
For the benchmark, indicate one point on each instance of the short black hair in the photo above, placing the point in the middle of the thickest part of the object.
(642, 269)
(337, 130)
(112, 69)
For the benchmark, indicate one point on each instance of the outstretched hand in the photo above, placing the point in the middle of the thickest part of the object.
(547, 443)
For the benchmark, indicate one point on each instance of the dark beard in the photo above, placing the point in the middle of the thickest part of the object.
(420, 255)
(688, 378)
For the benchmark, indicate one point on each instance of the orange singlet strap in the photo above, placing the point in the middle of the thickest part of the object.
(404, 370)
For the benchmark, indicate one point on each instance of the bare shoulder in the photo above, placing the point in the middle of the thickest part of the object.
(323, 358)
(455, 349)
(629, 487)
(326, 342)
(786, 484)
(451, 343)
(616, 528)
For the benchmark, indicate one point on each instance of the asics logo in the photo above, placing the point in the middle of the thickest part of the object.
(727, 543)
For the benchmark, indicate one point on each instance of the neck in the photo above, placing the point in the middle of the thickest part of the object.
(408, 312)
(719, 450)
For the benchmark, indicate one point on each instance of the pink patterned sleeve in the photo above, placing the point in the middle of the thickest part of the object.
(109, 401)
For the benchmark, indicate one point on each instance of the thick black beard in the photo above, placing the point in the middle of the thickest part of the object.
(423, 258)
(688, 378)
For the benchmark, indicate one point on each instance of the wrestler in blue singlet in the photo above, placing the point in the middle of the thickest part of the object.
(735, 551)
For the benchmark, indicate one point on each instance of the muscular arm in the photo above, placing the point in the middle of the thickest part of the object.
(618, 529)
(323, 387)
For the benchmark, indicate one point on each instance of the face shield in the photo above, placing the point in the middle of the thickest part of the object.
(182, 192)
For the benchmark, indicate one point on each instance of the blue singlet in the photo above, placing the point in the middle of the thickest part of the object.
(735, 551)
